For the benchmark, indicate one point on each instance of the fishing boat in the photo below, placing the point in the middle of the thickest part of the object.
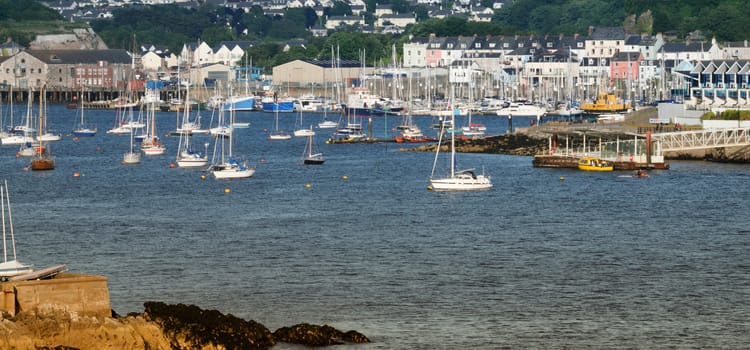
(594, 164)
(240, 103)
(310, 157)
(83, 130)
(225, 166)
(456, 180)
(10, 267)
(606, 103)
(270, 103)
(361, 102)
(42, 159)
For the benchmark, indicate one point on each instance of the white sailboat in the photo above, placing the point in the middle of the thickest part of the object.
(12, 267)
(22, 134)
(131, 156)
(151, 145)
(301, 131)
(278, 134)
(325, 123)
(83, 129)
(225, 166)
(456, 180)
(186, 156)
(309, 156)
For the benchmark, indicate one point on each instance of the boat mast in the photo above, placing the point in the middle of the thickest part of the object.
(10, 223)
(39, 128)
(2, 199)
(453, 133)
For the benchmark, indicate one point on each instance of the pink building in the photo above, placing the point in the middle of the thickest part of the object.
(625, 66)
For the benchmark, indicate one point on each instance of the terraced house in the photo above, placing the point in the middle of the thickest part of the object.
(67, 69)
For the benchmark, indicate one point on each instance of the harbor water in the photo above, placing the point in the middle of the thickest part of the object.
(547, 259)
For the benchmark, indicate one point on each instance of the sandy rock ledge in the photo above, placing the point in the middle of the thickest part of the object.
(160, 326)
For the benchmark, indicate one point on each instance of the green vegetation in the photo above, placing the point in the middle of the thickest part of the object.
(23, 20)
(730, 114)
(726, 19)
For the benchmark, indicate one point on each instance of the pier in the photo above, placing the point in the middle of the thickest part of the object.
(626, 151)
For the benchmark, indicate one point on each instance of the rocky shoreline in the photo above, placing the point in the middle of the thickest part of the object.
(160, 326)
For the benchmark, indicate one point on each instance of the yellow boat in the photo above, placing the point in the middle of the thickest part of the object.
(594, 164)
(606, 103)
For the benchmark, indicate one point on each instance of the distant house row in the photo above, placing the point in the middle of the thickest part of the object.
(606, 58)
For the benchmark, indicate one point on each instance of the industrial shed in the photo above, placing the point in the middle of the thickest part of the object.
(306, 73)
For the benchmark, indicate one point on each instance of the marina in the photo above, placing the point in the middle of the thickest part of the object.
(361, 248)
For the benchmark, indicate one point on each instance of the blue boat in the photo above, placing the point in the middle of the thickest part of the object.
(240, 103)
(286, 106)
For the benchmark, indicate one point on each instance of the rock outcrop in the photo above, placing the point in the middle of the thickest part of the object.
(514, 144)
(315, 335)
(160, 327)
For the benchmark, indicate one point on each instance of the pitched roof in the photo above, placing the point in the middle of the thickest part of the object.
(81, 56)
(607, 33)
(341, 63)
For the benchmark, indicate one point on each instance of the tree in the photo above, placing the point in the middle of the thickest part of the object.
(339, 8)
(256, 21)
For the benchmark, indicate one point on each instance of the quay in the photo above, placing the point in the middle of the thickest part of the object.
(96, 98)
(624, 148)
(86, 295)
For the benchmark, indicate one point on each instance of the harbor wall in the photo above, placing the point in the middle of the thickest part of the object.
(86, 295)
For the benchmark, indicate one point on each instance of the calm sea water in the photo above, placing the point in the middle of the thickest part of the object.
(588, 262)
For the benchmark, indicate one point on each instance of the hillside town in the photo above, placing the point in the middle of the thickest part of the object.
(549, 69)
(385, 19)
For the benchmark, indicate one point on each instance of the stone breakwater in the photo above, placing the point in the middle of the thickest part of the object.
(515, 144)
(160, 326)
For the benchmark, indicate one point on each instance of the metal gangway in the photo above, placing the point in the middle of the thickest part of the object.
(702, 139)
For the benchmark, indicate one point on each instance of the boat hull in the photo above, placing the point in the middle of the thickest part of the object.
(328, 125)
(280, 137)
(281, 107)
(84, 133)
(42, 164)
(595, 164)
(131, 158)
(373, 112)
(192, 162)
(240, 104)
(461, 183)
(314, 161)
(231, 171)
(12, 268)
